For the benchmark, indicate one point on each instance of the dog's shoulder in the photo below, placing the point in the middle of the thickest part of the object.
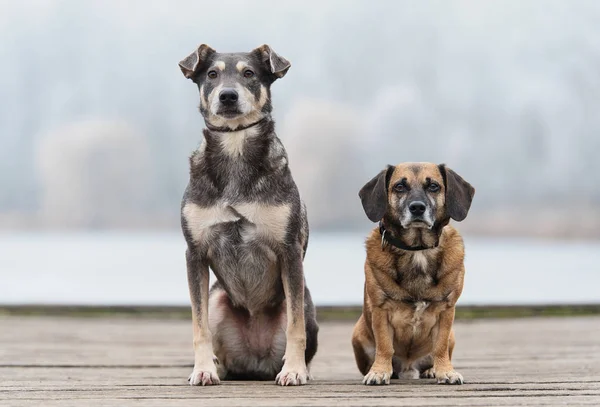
(377, 258)
(453, 249)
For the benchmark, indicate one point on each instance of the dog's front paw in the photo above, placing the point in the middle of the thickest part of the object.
(377, 378)
(292, 374)
(448, 377)
(205, 375)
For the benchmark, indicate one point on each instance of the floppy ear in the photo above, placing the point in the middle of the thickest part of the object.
(374, 195)
(191, 64)
(277, 64)
(459, 194)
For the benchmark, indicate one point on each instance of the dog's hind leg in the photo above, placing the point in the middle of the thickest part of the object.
(451, 343)
(312, 328)
(364, 346)
(426, 367)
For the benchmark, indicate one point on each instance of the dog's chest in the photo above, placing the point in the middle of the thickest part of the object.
(241, 244)
(246, 221)
(415, 272)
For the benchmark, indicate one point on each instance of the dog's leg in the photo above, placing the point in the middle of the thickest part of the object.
(451, 343)
(363, 345)
(442, 367)
(294, 371)
(381, 371)
(426, 367)
(205, 371)
(312, 329)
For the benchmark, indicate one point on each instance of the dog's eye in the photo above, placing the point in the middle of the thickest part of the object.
(248, 73)
(400, 187)
(212, 74)
(433, 187)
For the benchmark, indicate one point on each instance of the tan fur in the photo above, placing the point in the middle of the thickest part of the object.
(220, 65)
(240, 66)
(409, 300)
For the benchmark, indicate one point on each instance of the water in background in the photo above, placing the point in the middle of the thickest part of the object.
(149, 269)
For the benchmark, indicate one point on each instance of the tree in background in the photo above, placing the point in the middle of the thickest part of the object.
(94, 174)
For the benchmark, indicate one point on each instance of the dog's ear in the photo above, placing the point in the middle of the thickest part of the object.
(374, 196)
(459, 194)
(191, 64)
(277, 64)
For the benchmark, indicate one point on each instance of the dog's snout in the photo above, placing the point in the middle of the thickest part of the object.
(417, 208)
(228, 96)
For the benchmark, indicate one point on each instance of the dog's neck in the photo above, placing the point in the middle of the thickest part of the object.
(233, 155)
(410, 239)
(234, 127)
(233, 139)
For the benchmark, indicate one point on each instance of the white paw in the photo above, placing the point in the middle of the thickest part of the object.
(292, 375)
(409, 374)
(449, 377)
(428, 374)
(377, 378)
(205, 375)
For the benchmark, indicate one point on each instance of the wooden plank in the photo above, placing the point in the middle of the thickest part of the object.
(108, 362)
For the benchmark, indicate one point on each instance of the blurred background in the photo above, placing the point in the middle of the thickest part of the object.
(97, 124)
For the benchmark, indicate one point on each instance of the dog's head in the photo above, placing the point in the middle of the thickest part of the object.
(234, 88)
(417, 195)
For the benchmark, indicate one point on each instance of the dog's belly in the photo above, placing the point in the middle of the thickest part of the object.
(247, 345)
(415, 331)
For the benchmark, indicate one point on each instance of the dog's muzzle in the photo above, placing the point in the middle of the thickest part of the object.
(417, 214)
(417, 208)
(228, 103)
(228, 97)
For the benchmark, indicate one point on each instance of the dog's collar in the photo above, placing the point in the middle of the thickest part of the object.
(388, 238)
(229, 130)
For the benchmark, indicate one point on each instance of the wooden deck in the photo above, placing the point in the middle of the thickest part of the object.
(122, 362)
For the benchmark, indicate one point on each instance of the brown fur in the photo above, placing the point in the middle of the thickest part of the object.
(406, 326)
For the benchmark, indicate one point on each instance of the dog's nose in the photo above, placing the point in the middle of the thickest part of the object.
(228, 96)
(417, 208)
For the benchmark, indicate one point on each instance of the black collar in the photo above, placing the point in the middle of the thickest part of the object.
(229, 130)
(388, 238)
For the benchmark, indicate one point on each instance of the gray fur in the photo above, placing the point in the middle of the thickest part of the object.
(245, 181)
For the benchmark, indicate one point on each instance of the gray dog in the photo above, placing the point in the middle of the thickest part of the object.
(242, 216)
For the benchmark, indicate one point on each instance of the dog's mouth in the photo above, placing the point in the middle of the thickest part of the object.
(418, 223)
(229, 112)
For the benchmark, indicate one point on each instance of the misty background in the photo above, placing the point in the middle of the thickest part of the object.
(97, 121)
(97, 124)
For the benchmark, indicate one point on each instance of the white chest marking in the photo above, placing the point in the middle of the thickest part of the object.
(420, 307)
(270, 221)
(199, 219)
(233, 143)
(420, 260)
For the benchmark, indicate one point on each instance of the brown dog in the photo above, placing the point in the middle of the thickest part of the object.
(414, 273)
